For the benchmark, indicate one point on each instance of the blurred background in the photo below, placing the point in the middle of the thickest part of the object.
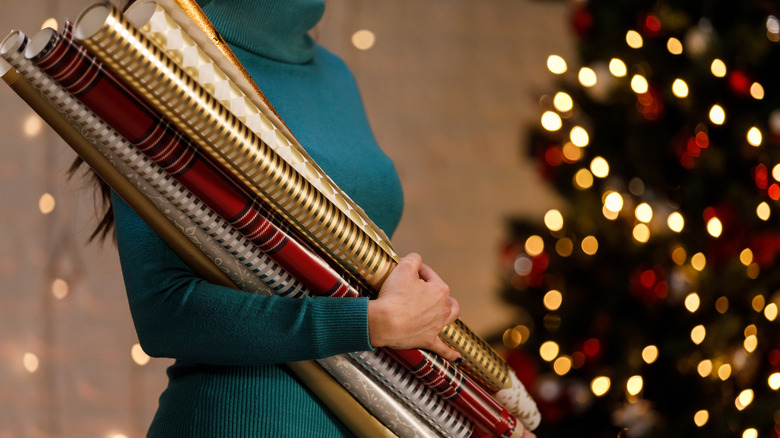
(596, 181)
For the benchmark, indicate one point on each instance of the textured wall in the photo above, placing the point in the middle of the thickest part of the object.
(448, 86)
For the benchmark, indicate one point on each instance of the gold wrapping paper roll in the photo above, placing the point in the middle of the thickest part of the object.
(167, 87)
(346, 408)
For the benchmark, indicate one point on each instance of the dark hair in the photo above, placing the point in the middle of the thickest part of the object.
(105, 225)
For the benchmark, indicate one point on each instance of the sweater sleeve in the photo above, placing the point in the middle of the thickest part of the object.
(180, 316)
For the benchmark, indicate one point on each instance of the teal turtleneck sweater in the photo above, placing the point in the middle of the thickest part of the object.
(228, 344)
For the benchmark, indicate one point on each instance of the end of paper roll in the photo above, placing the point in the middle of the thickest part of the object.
(140, 12)
(518, 402)
(91, 20)
(12, 43)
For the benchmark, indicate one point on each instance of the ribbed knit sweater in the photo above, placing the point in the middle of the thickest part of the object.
(228, 344)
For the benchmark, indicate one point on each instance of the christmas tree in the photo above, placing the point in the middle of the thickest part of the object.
(648, 303)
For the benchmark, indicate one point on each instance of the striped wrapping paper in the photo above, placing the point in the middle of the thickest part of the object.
(180, 206)
(161, 141)
(480, 361)
(348, 410)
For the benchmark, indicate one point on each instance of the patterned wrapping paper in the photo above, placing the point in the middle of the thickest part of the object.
(109, 167)
(160, 141)
(479, 359)
(447, 421)
(170, 35)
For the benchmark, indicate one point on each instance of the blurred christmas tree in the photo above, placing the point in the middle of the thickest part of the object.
(648, 304)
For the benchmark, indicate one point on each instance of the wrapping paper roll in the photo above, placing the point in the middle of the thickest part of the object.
(342, 404)
(171, 32)
(178, 206)
(72, 67)
(446, 420)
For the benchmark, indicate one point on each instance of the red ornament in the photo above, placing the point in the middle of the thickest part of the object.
(582, 21)
(651, 25)
(740, 83)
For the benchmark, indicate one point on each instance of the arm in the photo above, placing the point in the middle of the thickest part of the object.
(178, 315)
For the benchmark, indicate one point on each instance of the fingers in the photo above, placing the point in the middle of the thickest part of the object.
(412, 262)
(454, 310)
(444, 350)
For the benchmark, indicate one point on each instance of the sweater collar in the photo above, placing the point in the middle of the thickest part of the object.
(275, 29)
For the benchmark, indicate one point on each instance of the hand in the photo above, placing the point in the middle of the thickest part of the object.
(413, 306)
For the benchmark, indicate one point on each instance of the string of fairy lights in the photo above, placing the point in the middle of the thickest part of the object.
(648, 218)
(60, 288)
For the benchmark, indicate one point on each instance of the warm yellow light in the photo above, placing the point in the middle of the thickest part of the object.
(590, 245)
(701, 417)
(641, 233)
(757, 91)
(698, 334)
(643, 212)
(534, 245)
(758, 303)
(770, 311)
(744, 399)
(633, 39)
(714, 227)
(583, 179)
(698, 261)
(50, 22)
(750, 344)
(751, 330)
(551, 121)
(776, 172)
(587, 77)
(675, 222)
(556, 64)
(774, 381)
(674, 46)
(679, 255)
(117, 435)
(549, 351)
(139, 356)
(32, 126)
(562, 365)
(717, 115)
(511, 338)
(634, 385)
(59, 288)
(722, 305)
(718, 68)
(600, 385)
(704, 368)
(724, 371)
(599, 167)
(46, 203)
(680, 88)
(639, 84)
(30, 362)
(763, 211)
(579, 136)
(572, 152)
(617, 68)
(609, 214)
(363, 39)
(692, 302)
(754, 137)
(564, 247)
(750, 433)
(553, 219)
(613, 201)
(553, 299)
(562, 102)
(650, 354)
(746, 256)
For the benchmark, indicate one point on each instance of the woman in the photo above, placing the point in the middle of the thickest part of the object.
(227, 343)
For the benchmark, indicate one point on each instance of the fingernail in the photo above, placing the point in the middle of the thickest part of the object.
(459, 360)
